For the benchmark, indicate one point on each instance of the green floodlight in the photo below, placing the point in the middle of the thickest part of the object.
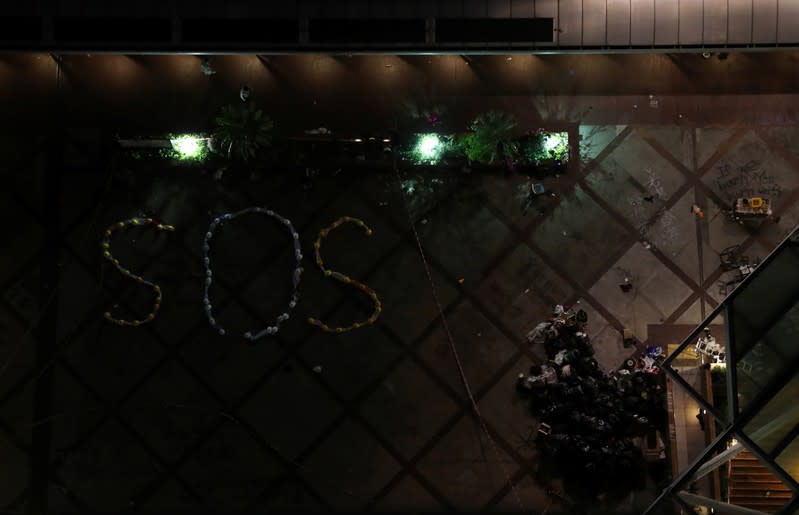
(189, 146)
(429, 147)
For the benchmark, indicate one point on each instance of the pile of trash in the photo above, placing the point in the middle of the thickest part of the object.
(588, 418)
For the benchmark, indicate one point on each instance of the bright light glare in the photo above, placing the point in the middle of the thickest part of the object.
(189, 147)
(552, 141)
(429, 146)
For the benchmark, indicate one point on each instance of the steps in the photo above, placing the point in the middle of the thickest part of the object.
(753, 485)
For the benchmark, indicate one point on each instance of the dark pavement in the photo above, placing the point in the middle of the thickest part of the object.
(172, 416)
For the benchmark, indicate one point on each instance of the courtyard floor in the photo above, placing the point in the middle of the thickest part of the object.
(172, 416)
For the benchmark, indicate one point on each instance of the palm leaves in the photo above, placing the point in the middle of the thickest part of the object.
(490, 134)
(241, 131)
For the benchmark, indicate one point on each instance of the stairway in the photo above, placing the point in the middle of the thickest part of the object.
(753, 485)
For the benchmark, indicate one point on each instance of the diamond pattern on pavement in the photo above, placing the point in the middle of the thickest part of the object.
(508, 195)
(653, 290)
(408, 305)
(674, 234)
(408, 408)
(17, 351)
(350, 467)
(306, 411)
(230, 469)
(22, 234)
(21, 296)
(408, 495)
(171, 411)
(231, 367)
(290, 496)
(481, 347)
(465, 467)
(643, 164)
(77, 410)
(106, 471)
(677, 139)
(82, 301)
(196, 420)
(113, 359)
(709, 141)
(527, 492)
(14, 475)
(624, 192)
(523, 273)
(515, 425)
(465, 235)
(595, 138)
(171, 497)
(350, 361)
(586, 227)
(506, 297)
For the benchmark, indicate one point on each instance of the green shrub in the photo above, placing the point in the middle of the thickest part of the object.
(242, 130)
(486, 134)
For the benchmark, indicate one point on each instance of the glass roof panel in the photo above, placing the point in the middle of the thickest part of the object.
(776, 419)
(764, 323)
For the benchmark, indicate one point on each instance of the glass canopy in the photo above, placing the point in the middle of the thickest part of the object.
(759, 416)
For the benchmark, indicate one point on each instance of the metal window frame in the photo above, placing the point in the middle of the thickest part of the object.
(737, 421)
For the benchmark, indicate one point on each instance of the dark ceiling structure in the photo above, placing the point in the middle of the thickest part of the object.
(384, 26)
